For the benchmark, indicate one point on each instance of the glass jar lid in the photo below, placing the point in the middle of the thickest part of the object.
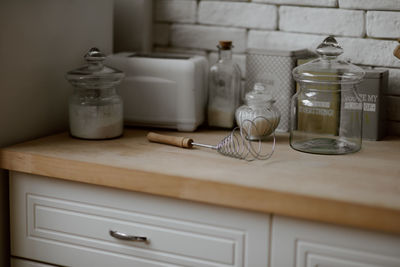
(94, 74)
(259, 94)
(327, 69)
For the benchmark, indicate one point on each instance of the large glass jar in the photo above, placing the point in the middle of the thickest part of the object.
(224, 88)
(258, 116)
(326, 111)
(95, 109)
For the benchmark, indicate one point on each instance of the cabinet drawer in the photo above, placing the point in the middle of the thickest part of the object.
(69, 223)
(310, 244)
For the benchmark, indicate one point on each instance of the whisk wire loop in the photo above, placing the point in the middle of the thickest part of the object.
(231, 145)
(242, 144)
(250, 129)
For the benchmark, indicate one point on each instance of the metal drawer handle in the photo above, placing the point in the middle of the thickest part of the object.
(123, 236)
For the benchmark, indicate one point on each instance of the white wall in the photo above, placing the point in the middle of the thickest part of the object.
(133, 25)
(367, 30)
(40, 41)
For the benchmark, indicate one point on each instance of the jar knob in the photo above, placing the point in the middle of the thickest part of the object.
(259, 94)
(329, 48)
(95, 59)
(259, 87)
(94, 54)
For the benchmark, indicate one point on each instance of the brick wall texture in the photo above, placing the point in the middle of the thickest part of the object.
(367, 30)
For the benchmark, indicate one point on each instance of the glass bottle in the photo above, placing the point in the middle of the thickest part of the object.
(259, 115)
(95, 109)
(224, 88)
(326, 112)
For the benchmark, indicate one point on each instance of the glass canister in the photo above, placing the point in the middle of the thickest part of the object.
(95, 109)
(224, 88)
(258, 116)
(326, 111)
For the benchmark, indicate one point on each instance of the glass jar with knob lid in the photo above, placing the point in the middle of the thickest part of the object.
(95, 109)
(326, 111)
(258, 116)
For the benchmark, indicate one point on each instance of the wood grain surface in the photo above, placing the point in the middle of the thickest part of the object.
(360, 189)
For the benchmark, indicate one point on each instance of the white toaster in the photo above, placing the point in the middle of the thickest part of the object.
(160, 90)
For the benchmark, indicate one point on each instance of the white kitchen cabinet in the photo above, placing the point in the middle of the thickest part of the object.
(302, 243)
(68, 223)
(15, 262)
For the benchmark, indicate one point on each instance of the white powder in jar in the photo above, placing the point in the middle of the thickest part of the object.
(257, 126)
(96, 121)
(220, 117)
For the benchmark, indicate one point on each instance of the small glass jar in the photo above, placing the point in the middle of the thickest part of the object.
(95, 109)
(224, 88)
(258, 116)
(326, 111)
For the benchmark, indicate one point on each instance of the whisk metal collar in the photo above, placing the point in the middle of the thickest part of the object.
(239, 144)
(204, 145)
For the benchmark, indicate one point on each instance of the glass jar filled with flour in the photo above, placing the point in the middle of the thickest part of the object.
(259, 117)
(95, 109)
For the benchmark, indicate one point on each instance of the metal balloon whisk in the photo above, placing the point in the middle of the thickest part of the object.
(237, 144)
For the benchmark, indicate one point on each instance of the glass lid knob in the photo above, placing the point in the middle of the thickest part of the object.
(94, 72)
(329, 48)
(95, 59)
(94, 54)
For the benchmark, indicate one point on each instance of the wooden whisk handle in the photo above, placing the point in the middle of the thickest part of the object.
(178, 141)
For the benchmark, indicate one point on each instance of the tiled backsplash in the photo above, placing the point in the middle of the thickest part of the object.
(367, 30)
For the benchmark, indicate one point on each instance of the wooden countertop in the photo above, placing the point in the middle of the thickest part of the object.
(360, 189)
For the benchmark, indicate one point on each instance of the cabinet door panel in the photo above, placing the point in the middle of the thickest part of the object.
(68, 223)
(303, 243)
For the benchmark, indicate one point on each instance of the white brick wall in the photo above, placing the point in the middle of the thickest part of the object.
(245, 15)
(383, 24)
(366, 29)
(206, 37)
(282, 40)
(370, 51)
(327, 3)
(322, 20)
(370, 4)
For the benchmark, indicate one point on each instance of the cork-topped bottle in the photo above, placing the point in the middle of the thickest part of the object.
(224, 88)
